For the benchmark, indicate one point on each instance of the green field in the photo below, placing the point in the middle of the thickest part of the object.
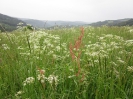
(74, 63)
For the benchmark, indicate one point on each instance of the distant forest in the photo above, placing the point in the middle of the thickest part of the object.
(8, 23)
(119, 22)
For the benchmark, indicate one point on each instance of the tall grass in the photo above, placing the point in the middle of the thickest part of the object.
(86, 63)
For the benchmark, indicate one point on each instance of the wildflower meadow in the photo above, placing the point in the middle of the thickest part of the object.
(67, 63)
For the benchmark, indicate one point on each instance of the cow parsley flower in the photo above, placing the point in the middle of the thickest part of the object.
(18, 94)
(5, 46)
(52, 79)
(41, 77)
(28, 80)
(130, 68)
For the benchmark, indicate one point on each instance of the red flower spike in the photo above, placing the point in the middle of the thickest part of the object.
(77, 46)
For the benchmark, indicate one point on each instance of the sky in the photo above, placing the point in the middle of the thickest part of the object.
(68, 10)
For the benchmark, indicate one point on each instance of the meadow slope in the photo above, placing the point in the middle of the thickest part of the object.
(74, 63)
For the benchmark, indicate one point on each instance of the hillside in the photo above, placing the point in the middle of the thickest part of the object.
(70, 63)
(8, 23)
(119, 22)
(126, 23)
(47, 24)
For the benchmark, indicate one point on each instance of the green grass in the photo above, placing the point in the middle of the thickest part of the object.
(38, 64)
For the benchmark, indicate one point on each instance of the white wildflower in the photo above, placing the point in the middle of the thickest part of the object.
(57, 38)
(38, 77)
(121, 61)
(129, 43)
(42, 81)
(51, 52)
(58, 48)
(71, 76)
(64, 45)
(130, 68)
(20, 48)
(52, 79)
(50, 45)
(46, 41)
(55, 56)
(25, 53)
(109, 36)
(28, 80)
(93, 54)
(18, 94)
(36, 47)
(5, 46)
(71, 70)
(113, 63)
(41, 77)
(131, 30)
(96, 61)
(101, 38)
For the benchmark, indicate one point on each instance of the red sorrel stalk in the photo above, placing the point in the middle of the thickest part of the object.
(75, 51)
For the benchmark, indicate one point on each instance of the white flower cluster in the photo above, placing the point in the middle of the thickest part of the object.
(71, 76)
(130, 68)
(28, 80)
(129, 43)
(41, 42)
(40, 75)
(5, 46)
(18, 94)
(52, 79)
(105, 44)
(131, 30)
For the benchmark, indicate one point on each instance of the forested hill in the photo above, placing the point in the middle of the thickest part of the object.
(119, 22)
(129, 23)
(8, 23)
(48, 23)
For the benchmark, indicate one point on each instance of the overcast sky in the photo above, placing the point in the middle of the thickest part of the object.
(68, 10)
